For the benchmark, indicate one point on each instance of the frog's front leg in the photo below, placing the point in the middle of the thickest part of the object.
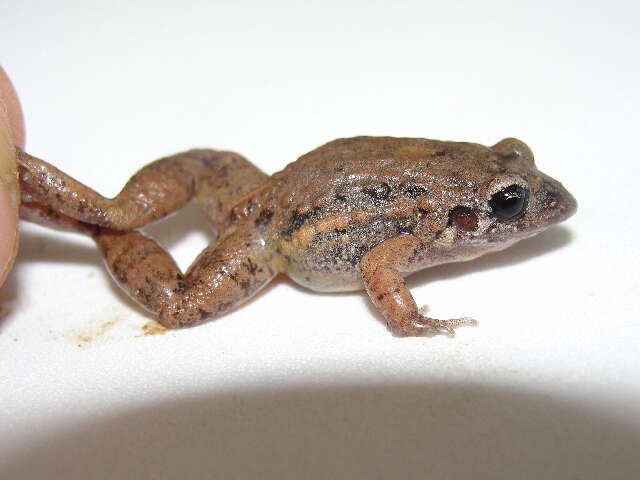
(225, 274)
(381, 270)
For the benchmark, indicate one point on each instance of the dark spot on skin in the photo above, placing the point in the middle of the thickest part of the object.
(251, 267)
(223, 306)
(264, 218)
(439, 233)
(413, 191)
(414, 254)
(245, 285)
(423, 211)
(340, 198)
(180, 284)
(441, 153)
(339, 169)
(298, 219)
(380, 191)
(510, 156)
(340, 231)
(464, 218)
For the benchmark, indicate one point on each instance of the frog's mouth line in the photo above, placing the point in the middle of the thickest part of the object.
(506, 238)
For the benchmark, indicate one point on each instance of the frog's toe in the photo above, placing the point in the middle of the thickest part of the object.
(434, 326)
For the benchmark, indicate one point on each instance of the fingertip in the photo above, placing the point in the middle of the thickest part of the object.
(8, 202)
(9, 98)
(11, 133)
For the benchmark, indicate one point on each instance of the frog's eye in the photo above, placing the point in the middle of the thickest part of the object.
(509, 203)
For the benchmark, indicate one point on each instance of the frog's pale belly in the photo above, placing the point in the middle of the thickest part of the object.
(328, 282)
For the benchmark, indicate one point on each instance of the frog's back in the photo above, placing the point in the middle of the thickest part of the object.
(353, 167)
(338, 201)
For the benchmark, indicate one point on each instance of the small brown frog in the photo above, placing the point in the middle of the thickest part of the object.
(355, 213)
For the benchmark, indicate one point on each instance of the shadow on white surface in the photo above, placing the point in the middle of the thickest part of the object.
(393, 431)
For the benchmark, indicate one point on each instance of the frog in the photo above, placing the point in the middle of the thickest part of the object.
(357, 213)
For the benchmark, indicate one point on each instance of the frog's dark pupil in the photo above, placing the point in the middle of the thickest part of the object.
(509, 203)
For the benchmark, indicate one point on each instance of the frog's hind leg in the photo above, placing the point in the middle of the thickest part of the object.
(223, 276)
(214, 179)
(227, 273)
(47, 217)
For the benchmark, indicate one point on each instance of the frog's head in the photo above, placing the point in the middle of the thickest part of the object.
(512, 200)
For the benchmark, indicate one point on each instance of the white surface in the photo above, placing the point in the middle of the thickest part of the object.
(300, 385)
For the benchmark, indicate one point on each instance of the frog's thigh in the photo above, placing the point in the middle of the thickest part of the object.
(224, 275)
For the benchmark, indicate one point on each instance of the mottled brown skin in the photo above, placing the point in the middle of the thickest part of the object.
(355, 213)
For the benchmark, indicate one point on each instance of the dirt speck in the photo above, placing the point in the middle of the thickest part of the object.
(88, 337)
(153, 328)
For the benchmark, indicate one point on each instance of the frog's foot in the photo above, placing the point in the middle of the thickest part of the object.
(433, 326)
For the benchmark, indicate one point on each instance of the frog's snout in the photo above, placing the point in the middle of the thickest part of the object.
(559, 203)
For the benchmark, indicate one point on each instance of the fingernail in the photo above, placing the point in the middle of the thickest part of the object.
(8, 198)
